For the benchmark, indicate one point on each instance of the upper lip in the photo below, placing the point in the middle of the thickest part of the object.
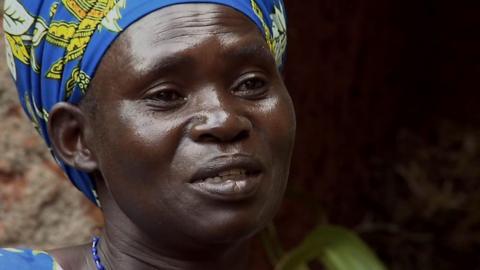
(225, 163)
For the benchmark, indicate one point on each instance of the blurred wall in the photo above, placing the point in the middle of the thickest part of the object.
(388, 127)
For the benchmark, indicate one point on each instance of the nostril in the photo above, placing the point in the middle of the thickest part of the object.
(207, 138)
(241, 135)
(225, 128)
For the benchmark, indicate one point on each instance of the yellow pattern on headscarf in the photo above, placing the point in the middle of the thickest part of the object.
(78, 78)
(266, 29)
(74, 37)
(19, 49)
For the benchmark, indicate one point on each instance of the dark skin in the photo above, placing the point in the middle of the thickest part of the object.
(188, 131)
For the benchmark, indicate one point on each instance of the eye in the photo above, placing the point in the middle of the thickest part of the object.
(168, 96)
(165, 99)
(253, 86)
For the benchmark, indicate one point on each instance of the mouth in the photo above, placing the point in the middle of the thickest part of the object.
(231, 178)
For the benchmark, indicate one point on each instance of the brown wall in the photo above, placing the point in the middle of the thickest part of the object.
(386, 95)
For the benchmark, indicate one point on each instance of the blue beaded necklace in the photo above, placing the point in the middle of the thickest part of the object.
(95, 256)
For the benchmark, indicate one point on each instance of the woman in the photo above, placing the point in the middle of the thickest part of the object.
(171, 116)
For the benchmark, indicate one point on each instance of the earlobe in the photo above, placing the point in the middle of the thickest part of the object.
(67, 128)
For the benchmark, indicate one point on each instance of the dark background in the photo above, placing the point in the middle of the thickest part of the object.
(388, 142)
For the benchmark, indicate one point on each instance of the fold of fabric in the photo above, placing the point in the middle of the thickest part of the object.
(12, 258)
(54, 47)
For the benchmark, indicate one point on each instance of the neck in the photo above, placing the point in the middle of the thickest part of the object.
(124, 246)
(120, 254)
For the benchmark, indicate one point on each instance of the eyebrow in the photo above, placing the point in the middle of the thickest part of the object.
(172, 62)
(251, 51)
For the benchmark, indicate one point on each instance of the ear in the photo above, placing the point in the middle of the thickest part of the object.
(67, 127)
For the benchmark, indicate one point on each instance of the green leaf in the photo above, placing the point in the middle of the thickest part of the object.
(336, 248)
(272, 244)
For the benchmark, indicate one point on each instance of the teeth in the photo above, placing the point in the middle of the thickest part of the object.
(233, 172)
(226, 175)
(214, 180)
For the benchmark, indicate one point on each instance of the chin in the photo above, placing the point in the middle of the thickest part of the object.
(227, 235)
(230, 220)
(231, 226)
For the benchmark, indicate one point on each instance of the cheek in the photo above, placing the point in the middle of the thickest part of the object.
(135, 144)
(136, 154)
(278, 125)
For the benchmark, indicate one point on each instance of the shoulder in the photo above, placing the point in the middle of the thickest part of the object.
(11, 258)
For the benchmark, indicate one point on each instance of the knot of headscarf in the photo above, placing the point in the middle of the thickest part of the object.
(54, 47)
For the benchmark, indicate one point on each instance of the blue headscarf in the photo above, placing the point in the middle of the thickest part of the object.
(54, 47)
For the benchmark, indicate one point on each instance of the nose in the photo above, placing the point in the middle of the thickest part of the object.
(220, 126)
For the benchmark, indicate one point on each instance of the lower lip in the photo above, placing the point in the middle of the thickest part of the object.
(230, 190)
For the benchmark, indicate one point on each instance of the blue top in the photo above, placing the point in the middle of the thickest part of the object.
(26, 259)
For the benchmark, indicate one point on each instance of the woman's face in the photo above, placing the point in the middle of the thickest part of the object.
(193, 129)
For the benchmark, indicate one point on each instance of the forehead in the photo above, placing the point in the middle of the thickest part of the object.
(181, 29)
(191, 19)
(185, 35)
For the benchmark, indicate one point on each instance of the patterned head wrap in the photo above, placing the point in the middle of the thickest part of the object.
(54, 47)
